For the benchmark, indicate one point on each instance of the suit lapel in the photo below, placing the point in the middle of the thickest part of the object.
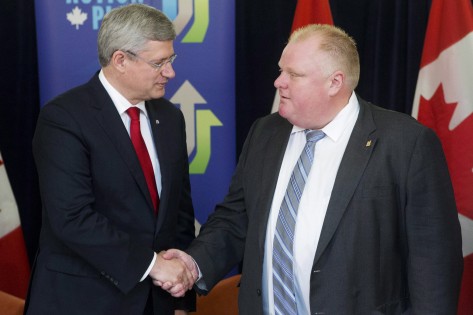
(108, 117)
(160, 139)
(354, 161)
(275, 147)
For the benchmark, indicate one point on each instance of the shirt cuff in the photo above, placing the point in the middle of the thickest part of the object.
(149, 268)
(200, 283)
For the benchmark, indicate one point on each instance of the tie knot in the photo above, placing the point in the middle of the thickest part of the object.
(134, 113)
(314, 135)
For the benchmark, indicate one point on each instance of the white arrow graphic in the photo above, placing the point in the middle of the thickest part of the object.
(188, 96)
(184, 15)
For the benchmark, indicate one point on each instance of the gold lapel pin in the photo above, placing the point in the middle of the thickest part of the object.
(368, 143)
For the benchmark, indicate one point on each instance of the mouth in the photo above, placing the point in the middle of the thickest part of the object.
(281, 96)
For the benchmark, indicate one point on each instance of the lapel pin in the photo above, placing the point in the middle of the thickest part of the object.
(368, 143)
(157, 122)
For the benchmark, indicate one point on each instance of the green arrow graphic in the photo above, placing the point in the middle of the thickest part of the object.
(205, 120)
(197, 32)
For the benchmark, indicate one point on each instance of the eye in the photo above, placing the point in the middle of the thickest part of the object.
(295, 75)
(160, 63)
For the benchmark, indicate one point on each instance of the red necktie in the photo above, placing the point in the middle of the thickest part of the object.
(143, 155)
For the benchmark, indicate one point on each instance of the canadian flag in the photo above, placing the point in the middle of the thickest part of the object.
(308, 12)
(312, 11)
(14, 266)
(443, 101)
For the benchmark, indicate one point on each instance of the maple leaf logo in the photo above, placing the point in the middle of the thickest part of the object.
(77, 17)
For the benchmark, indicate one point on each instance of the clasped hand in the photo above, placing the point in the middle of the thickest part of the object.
(174, 271)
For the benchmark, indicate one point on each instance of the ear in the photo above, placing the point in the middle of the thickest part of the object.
(119, 61)
(337, 80)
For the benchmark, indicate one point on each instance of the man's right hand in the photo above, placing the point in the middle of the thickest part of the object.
(173, 274)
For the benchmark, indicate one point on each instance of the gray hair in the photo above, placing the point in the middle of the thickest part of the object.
(129, 28)
(338, 44)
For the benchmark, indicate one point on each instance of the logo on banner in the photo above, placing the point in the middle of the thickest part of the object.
(199, 123)
(96, 9)
(181, 18)
(77, 17)
(179, 11)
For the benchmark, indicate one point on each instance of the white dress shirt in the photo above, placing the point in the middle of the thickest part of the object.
(122, 104)
(313, 204)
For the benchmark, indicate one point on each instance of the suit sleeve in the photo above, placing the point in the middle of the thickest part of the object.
(221, 242)
(62, 160)
(435, 261)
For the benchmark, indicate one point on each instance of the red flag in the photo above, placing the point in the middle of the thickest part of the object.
(14, 264)
(444, 102)
(308, 12)
(312, 11)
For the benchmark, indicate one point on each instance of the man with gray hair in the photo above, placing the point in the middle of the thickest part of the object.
(114, 177)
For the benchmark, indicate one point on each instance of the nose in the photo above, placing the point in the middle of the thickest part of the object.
(167, 70)
(280, 81)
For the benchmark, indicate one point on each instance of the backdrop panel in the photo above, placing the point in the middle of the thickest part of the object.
(203, 87)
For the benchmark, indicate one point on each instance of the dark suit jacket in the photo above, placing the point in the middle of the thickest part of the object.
(390, 241)
(99, 231)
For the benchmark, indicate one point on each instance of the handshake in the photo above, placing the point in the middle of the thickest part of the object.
(174, 271)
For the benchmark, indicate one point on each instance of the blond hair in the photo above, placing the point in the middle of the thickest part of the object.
(340, 47)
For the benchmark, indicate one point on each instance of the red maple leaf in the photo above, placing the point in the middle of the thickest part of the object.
(436, 113)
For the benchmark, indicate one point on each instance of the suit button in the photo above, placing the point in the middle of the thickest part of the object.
(258, 291)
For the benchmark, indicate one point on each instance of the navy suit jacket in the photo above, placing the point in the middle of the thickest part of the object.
(99, 231)
(390, 242)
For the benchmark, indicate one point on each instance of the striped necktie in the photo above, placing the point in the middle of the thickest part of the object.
(283, 275)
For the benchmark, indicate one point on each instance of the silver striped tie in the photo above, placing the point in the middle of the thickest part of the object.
(283, 276)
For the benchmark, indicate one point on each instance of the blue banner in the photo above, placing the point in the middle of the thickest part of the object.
(204, 86)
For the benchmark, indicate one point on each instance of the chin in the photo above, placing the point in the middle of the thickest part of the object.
(282, 110)
(158, 94)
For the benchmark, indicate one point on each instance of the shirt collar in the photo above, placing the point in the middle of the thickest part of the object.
(120, 102)
(335, 128)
